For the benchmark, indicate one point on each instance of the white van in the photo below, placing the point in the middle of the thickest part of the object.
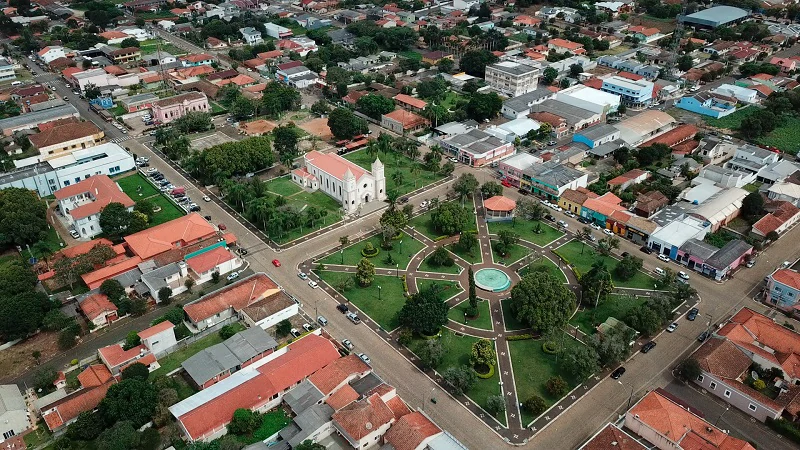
(16, 83)
(659, 271)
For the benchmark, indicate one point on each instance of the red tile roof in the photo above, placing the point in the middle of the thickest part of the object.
(595, 83)
(338, 372)
(630, 76)
(767, 224)
(411, 431)
(115, 356)
(675, 136)
(334, 164)
(95, 305)
(270, 55)
(155, 329)
(500, 203)
(411, 101)
(612, 438)
(361, 418)
(94, 375)
(722, 358)
(94, 279)
(557, 42)
(398, 406)
(64, 133)
(407, 118)
(175, 233)
(343, 397)
(84, 247)
(302, 358)
(102, 188)
(206, 261)
(71, 406)
(237, 295)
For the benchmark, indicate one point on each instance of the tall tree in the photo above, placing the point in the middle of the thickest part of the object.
(451, 218)
(542, 302)
(22, 217)
(465, 185)
(344, 124)
(424, 313)
(285, 141)
(365, 272)
(473, 296)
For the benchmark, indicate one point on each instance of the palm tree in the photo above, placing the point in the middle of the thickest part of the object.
(261, 211)
(391, 198)
(312, 214)
(415, 171)
(385, 143)
(238, 194)
(583, 235)
(344, 240)
(397, 177)
(372, 149)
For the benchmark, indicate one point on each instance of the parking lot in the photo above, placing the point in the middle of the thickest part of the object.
(177, 193)
(210, 140)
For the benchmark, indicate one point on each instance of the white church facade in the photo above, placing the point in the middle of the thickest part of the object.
(348, 183)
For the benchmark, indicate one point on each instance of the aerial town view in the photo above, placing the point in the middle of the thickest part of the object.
(399, 225)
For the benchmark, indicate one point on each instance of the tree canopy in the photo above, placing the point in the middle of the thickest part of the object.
(424, 312)
(345, 125)
(223, 161)
(451, 218)
(542, 302)
(22, 217)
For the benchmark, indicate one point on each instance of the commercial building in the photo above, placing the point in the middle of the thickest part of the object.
(714, 17)
(69, 135)
(34, 119)
(512, 78)
(342, 180)
(476, 148)
(175, 107)
(645, 126)
(574, 118)
(7, 70)
(708, 104)
(81, 203)
(597, 135)
(277, 31)
(513, 130)
(13, 414)
(551, 179)
(668, 239)
(298, 76)
(520, 106)
(594, 100)
(637, 94)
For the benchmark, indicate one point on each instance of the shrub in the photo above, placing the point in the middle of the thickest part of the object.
(550, 347)
(369, 250)
(535, 405)
(74, 362)
(440, 238)
(495, 404)
(519, 337)
(405, 336)
(283, 328)
(227, 331)
(556, 386)
(487, 375)
(759, 385)
(785, 428)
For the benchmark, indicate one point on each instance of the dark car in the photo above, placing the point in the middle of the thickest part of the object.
(617, 373)
(584, 220)
(523, 192)
(624, 254)
(402, 200)
(550, 218)
(342, 308)
(648, 346)
(703, 336)
(646, 249)
(692, 314)
(194, 208)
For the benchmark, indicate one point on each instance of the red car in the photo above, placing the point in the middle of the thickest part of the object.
(222, 227)
(276, 263)
(505, 183)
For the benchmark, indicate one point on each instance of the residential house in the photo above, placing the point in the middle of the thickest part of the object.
(564, 46)
(64, 410)
(649, 203)
(785, 191)
(300, 45)
(401, 121)
(194, 60)
(126, 55)
(433, 58)
(277, 31)
(98, 309)
(614, 438)
(51, 53)
(410, 103)
(597, 135)
(628, 179)
(81, 203)
(708, 104)
(159, 338)
(14, 419)
(296, 75)
(741, 94)
(558, 125)
(6, 70)
(251, 36)
(782, 217)
(645, 34)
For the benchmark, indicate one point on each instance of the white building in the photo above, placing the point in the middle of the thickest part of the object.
(277, 31)
(6, 70)
(517, 128)
(511, 78)
(159, 338)
(13, 412)
(81, 203)
(589, 98)
(346, 182)
(742, 94)
(299, 77)
(136, 32)
(49, 54)
(251, 36)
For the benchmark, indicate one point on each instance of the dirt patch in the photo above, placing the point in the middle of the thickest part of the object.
(318, 127)
(18, 359)
(257, 127)
(665, 25)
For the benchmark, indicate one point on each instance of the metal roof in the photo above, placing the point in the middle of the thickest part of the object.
(728, 254)
(717, 14)
(303, 397)
(236, 350)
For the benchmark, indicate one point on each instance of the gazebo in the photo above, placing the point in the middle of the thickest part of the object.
(499, 209)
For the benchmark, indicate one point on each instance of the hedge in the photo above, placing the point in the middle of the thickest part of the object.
(785, 429)
(440, 238)
(550, 347)
(485, 376)
(405, 284)
(519, 337)
(367, 255)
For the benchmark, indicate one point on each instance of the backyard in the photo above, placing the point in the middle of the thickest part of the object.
(414, 175)
(457, 351)
(271, 423)
(571, 253)
(616, 306)
(483, 321)
(137, 187)
(403, 250)
(533, 367)
(381, 300)
(173, 360)
(301, 199)
(525, 229)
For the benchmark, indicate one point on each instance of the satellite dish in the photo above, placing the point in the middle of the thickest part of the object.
(754, 375)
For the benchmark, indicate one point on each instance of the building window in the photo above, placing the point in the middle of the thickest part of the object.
(712, 385)
(727, 393)
(752, 407)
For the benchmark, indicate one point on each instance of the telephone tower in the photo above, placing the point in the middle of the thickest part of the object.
(675, 46)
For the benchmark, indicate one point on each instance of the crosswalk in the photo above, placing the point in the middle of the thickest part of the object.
(121, 139)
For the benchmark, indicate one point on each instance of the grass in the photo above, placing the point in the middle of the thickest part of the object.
(148, 47)
(510, 322)
(613, 51)
(216, 108)
(515, 253)
(448, 289)
(483, 321)
(474, 257)
(136, 187)
(401, 253)
(426, 266)
(283, 186)
(173, 360)
(533, 367)
(451, 100)
(520, 37)
(752, 187)
(583, 263)
(382, 310)
(457, 350)
(117, 110)
(52, 242)
(545, 265)
(37, 437)
(303, 199)
(410, 54)
(169, 211)
(731, 121)
(271, 423)
(395, 162)
(422, 223)
(525, 230)
(785, 137)
(616, 306)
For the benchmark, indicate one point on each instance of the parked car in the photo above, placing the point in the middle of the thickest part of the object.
(583, 220)
(232, 276)
(347, 344)
(648, 346)
(342, 308)
(322, 321)
(523, 192)
(424, 204)
(74, 234)
(193, 207)
(608, 232)
(570, 214)
(403, 200)
(663, 257)
(616, 374)
(453, 159)
(659, 271)
(308, 327)
(595, 226)
(505, 182)
(302, 276)
(313, 284)
(550, 218)
(295, 332)
(692, 314)
(563, 224)
(206, 198)
(353, 318)
(750, 263)
(703, 336)
(683, 275)
(365, 358)
(672, 327)
(645, 249)
(222, 227)
(624, 254)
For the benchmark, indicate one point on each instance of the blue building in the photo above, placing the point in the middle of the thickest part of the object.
(637, 93)
(783, 288)
(102, 102)
(708, 104)
(597, 135)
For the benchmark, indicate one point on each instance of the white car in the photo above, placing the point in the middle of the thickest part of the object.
(74, 234)
(349, 345)
(143, 159)
(302, 276)
(232, 276)
(151, 170)
(206, 198)
(595, 226)
(365, 358)
(672, 327)
(608, 232)
(294, 332)
(664, 258)
(313, 284)
(683, 275)
(424, 204)
(453, 159)
(563, 224)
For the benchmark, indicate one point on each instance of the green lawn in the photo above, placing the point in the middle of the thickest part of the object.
(483, 321)
(785, 137)
(525, 230)
(410, 54)
(384, 310)
(457, 350)
(395, 162)
(283, 186)
(216, 108)
(271, 422)
(401, 253)
(474, 257)
(426, 266)
(422, 223)
(752, 187)
(533, 367)
(549, 266)
(515, 253)
(731, 121)
(169, 211)
(136, 186)
(451, 100)
(572, 252)
(319, 200)
(173, 360)
(510, 322)
(519, 37)
(38, 437)
(150, 46)
(616, 306)
(52, 242)
(448, 290)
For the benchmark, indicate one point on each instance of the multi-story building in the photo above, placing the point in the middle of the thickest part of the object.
(6, 70)
(51, 53)
(81, 203)
(251, 36)
(783, 289)
(172, 108)
(511, 78)
(125, 55)
(68, 136)
(632, 93)
(297, 75)
(476, 148)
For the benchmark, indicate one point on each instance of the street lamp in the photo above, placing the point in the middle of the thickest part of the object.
(727, 407)
(379, 292)
(397, 270)
(401, 246)
(341, 252)
(630, 397)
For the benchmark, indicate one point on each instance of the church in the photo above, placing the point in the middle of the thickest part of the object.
(348, 183)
